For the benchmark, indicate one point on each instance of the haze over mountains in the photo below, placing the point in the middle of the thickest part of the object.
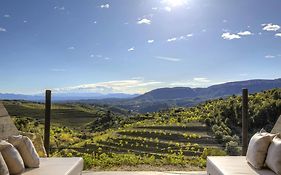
(158, 99)
(66, 96)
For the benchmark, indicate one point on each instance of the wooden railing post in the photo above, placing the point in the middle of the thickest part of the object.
(47, 121)
(244, 121)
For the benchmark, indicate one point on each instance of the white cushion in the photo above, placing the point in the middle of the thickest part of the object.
(57, 166)
(273, 159)
(257, 149)
(26, 150)
(3, 167)
(12, 158)
(233, 165)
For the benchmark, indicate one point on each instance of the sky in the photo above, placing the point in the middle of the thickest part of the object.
(133, 46)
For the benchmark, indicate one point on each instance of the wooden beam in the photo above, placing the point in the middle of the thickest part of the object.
(245, 116)
(47, 121)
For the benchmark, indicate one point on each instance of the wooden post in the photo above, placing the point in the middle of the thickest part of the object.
(47, 121)
(244, 122)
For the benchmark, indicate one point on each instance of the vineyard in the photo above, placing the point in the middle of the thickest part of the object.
(178, 137)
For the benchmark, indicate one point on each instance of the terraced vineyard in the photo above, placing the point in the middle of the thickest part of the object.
(185, 144)
(160, 140)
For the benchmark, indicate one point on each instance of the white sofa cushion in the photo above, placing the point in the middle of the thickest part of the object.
(3, 167)
(26, 150)
(57, 166)
(233, 165)
(257, 149)
(273, 159)
(12, 158)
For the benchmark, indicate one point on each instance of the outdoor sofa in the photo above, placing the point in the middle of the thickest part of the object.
(48, 166)
(238, 165)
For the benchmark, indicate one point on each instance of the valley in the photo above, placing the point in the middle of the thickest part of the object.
(111, 138)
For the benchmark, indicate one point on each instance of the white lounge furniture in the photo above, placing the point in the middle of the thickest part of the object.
(48, 166)
(57, 166)
(233, 165)
(237, 165)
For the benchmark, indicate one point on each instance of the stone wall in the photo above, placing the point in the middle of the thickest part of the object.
(7, 127)
(277, 126)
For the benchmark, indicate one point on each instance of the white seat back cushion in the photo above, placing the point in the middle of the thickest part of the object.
(3, 167)
(257, 149)
(26, 150)
(273, 159)
(12, 158)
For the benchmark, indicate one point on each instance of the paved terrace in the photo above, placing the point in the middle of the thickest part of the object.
(145, 173)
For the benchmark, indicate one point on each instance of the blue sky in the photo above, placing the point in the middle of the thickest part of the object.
(133, 46)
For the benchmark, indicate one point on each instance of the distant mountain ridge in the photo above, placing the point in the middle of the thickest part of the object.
(214, 91)
(158, 99)
(66, 96)
(164, 98)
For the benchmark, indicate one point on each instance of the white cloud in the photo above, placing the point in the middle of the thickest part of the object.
(245, 33)
(183, 37)
(270, 27)
(144, 21)
(278, 34)
(3, 29)
(171, 39)
(7, 16)
(59, 8)
(195, 82)
(269, 56)
(99, 56)
(173, 59)
(105, 6)
(131, 49)
(229, 36)
(201, 79)
(71, 48)
(224, 21)
(130, 86)
(24, 21)
(150, 41)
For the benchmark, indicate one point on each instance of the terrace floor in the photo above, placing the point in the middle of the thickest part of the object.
(145, 173)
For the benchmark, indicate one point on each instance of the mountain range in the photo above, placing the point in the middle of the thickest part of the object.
(66, 96)
(157, 99)
(214, 91)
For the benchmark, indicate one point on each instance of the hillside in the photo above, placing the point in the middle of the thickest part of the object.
(180, 138)
(165, 98)
(75, 116)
